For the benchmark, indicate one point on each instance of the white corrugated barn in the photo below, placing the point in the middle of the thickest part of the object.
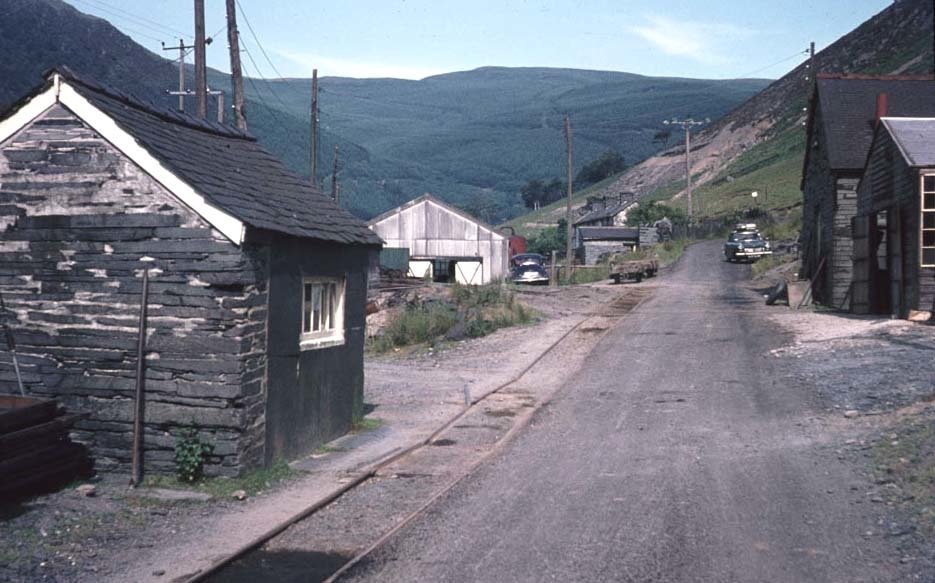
(444, 242)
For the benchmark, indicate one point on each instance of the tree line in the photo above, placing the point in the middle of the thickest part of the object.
(538, 192)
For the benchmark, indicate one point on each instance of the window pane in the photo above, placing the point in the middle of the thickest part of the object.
(307, 308)
(928, 256)
(928, 238)
(327, 302)
(316, 307)
(928, 220)
(929, 183)
(928, 201)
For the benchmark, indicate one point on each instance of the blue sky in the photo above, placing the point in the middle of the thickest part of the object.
(416, 38)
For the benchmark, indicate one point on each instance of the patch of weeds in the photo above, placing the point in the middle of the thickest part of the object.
(367, 424)
(907, 462)
(472, 311)
(251, 482)
(587, 275)
(190, 456)
(768, 262)
(415, 325)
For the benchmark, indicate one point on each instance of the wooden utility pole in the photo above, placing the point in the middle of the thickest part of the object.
(201, 82)
(313, 145)
(181, 49)
(233, 43)
(687, 126)
(334, 175)
(569, 163)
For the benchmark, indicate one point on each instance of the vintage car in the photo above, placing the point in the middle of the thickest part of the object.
(527, 259)
(746, 243)
(530, 274)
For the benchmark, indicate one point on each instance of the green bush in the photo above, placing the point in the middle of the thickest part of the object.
(190, 456)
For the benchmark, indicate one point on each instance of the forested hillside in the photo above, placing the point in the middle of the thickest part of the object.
(472, 138)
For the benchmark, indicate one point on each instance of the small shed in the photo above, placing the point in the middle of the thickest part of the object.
(840, 126)
(258, 282)
(445, 243)
(593, 243)
(894, 230)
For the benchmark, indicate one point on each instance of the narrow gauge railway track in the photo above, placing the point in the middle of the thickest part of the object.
(508, 404)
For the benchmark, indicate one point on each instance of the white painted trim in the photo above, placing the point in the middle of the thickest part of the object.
(26, 114)
(231, 227)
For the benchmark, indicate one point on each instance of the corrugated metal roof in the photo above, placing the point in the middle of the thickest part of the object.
(915, 138)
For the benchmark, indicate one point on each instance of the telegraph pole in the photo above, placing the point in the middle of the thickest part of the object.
(569, 164)
(188, 93)
(687, 125)
(181, 49)
(201, 82)
(313, 146)
(334, 175)
(233, 43)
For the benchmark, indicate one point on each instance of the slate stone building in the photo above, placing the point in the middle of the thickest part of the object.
(257, 281)
(842, 114)
(894, 230)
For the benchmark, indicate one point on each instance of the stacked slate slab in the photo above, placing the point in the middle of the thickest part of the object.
(79, 222)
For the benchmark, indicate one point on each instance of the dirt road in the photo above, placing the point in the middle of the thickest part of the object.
(676, 453)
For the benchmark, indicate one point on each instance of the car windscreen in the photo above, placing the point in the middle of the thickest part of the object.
(744, 237)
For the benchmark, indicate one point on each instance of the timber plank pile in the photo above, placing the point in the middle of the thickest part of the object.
(36, 454)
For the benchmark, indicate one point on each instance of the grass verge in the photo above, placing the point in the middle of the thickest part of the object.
(252, 482)
(470, 312)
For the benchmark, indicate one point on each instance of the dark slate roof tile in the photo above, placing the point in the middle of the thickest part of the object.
(229, 168)
(609, 233)
(848, 110)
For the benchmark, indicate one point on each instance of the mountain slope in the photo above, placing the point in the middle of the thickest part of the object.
(471, 138)
(761, 143)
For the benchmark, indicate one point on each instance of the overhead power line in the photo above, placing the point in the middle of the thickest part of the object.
(142, 21)
(257, 41)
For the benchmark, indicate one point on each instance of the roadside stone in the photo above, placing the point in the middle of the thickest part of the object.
(88, 490)
(159, 572)
(239, 495)
(851, 413)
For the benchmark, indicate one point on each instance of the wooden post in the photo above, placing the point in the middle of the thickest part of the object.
(553, 276)
(313, 145)
(201, 82)
(181, 75)
(137, 469)
(569, 166)
(688, 170)
(334, 174)
(233, 42)
(220, 107)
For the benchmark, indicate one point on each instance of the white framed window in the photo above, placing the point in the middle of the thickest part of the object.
(322, 312)
(927, 230)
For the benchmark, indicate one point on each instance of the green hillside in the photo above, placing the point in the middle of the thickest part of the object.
(898, 40)
(471, 138)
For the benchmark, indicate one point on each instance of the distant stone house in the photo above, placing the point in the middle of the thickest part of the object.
(894, 230)
(840, 125)
(595, 243)
(257, 291)
(601, 228)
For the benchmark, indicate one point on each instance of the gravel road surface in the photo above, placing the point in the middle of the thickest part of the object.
(677, 453)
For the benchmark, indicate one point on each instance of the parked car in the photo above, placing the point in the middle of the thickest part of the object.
(746, 243)
(527, 259)
(530, 274)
